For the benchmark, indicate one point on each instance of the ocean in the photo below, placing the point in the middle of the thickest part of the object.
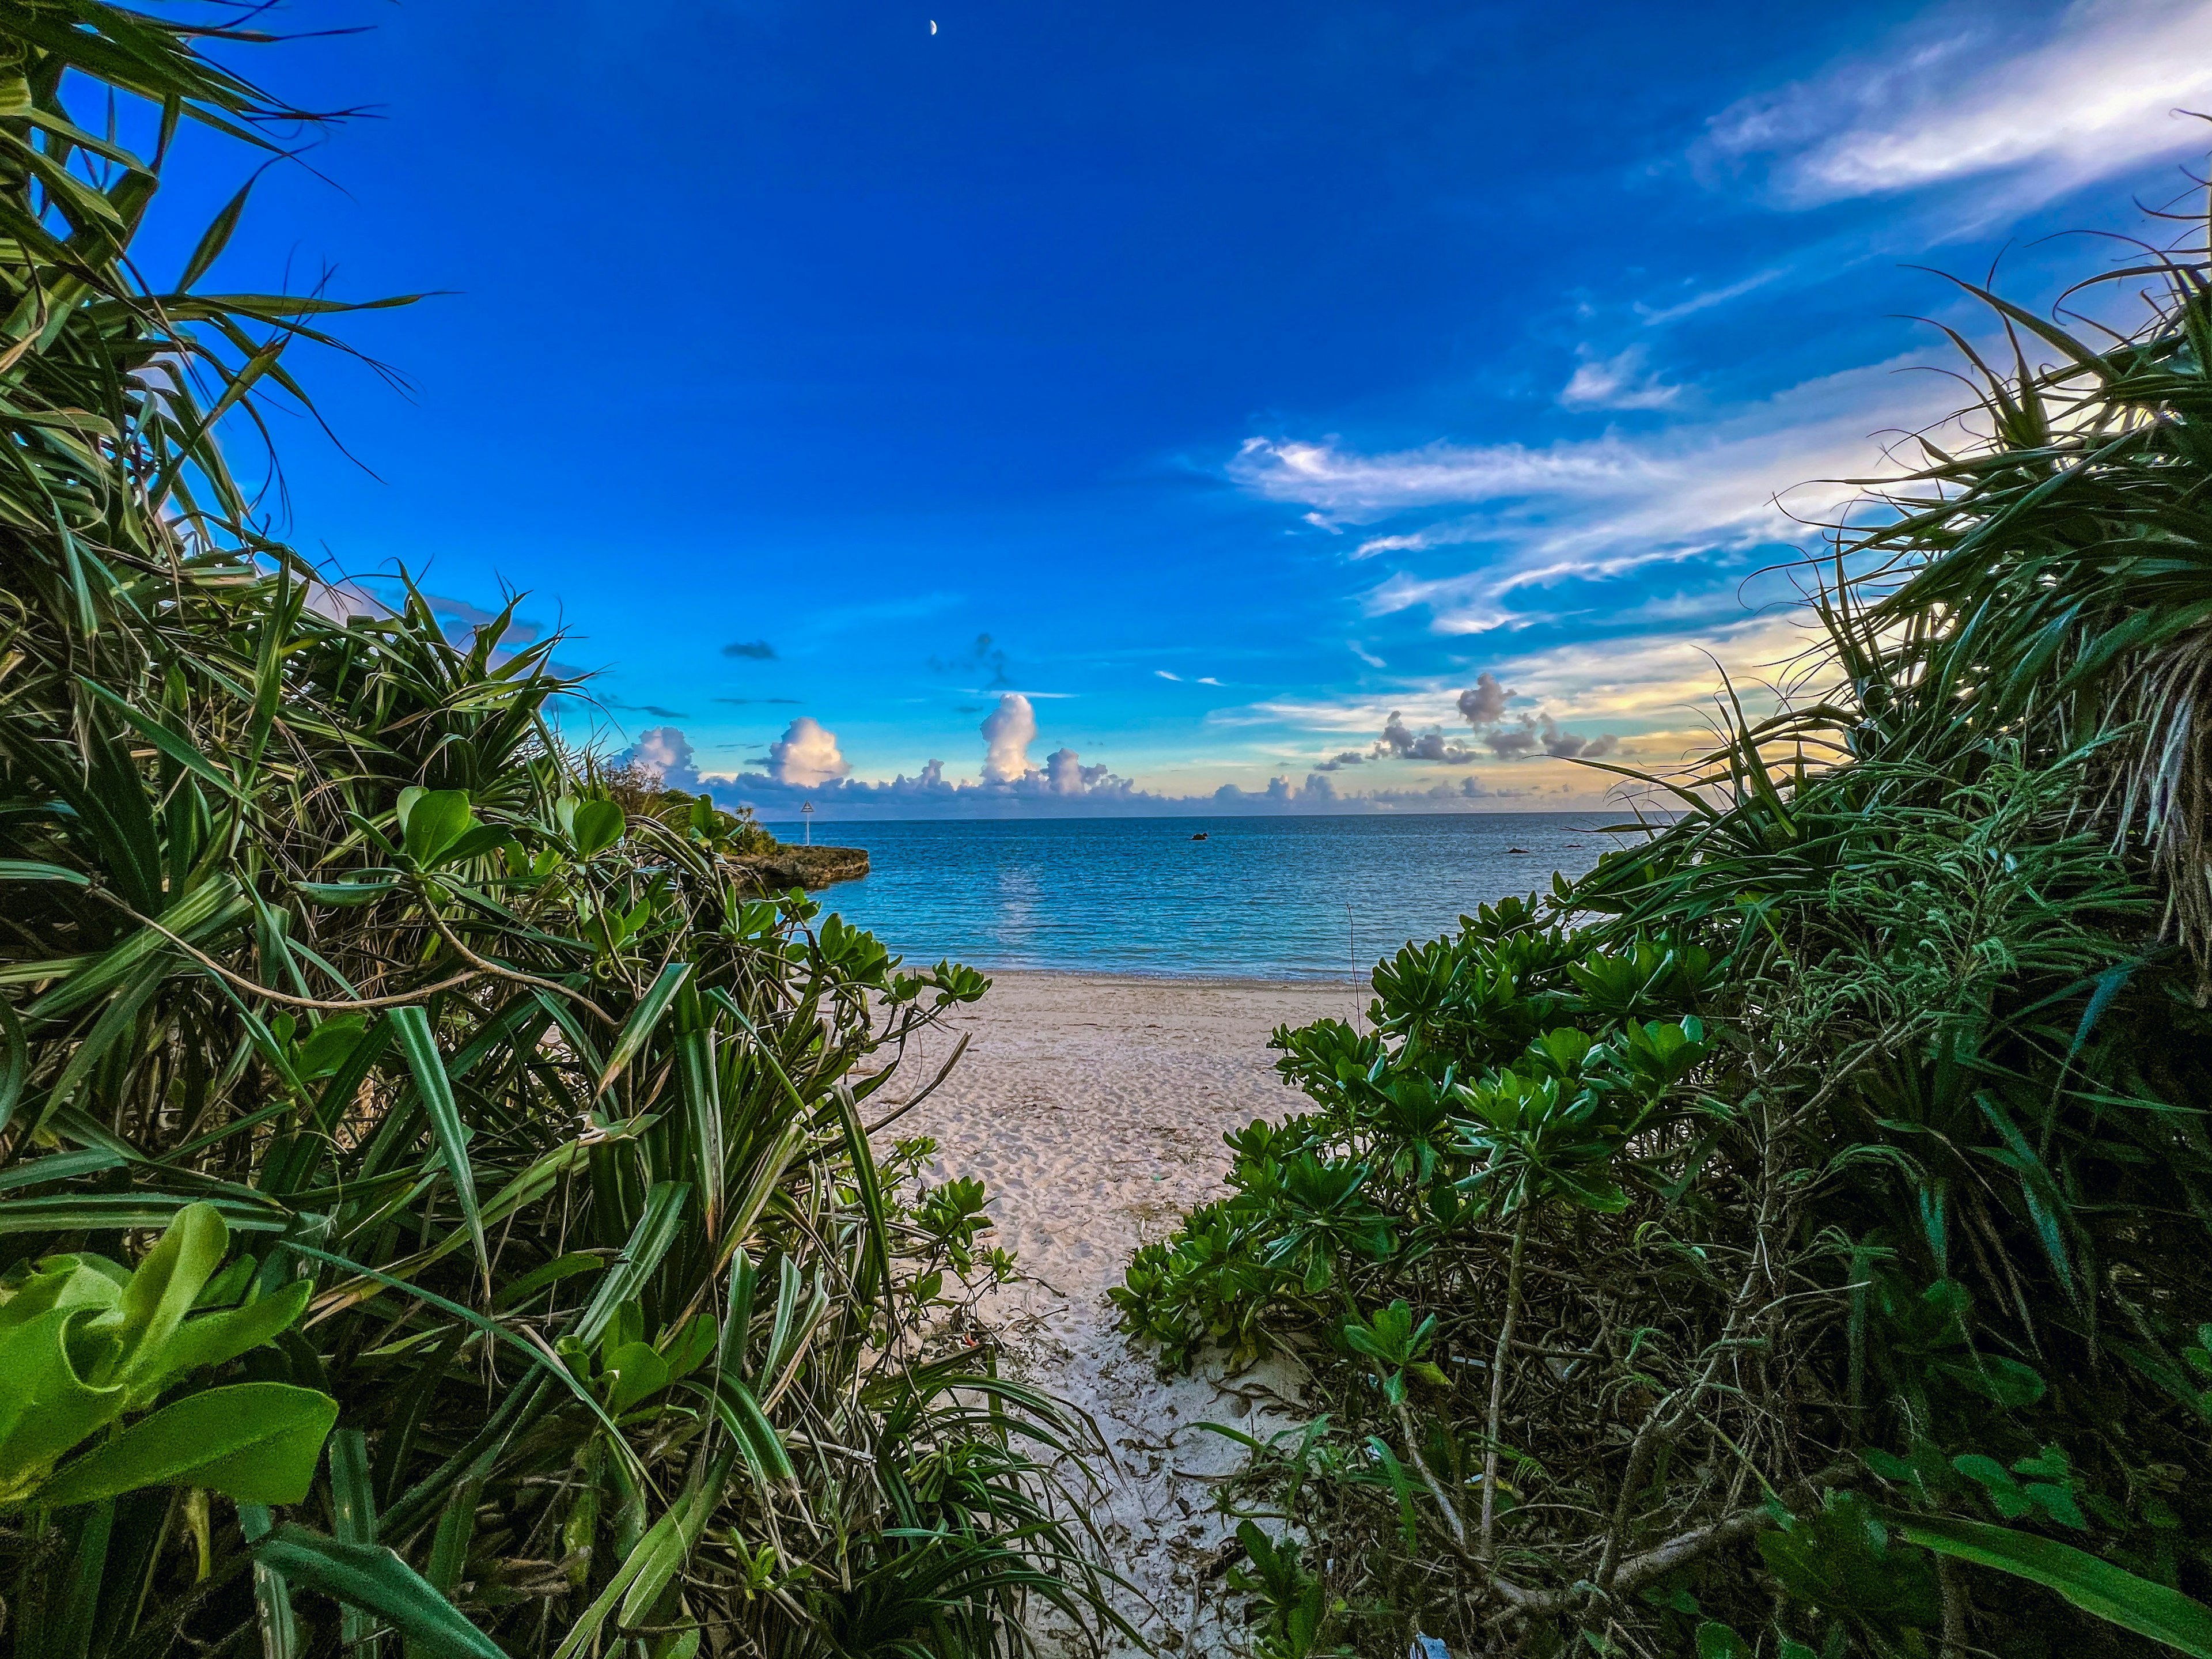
(1259, 899)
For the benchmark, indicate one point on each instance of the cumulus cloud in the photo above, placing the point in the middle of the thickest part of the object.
(1564, 744)
(1008, 731)
(665, 753)
(1065, 774)
(806, 755)
(1512, 742)
(1483, 707)
(1318, 794)
(1483, 703)
(1401, 740)
(756, 650)
(1623, 380)
(1337, 762)
(2094, 95)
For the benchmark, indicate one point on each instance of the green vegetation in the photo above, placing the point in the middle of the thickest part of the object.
(1795, 1237)
(393, 1128)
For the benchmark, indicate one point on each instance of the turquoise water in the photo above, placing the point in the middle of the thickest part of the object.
(1271, 898)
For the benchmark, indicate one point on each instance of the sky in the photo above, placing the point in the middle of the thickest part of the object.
(988, 407)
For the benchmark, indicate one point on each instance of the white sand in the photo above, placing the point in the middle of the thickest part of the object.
(1093, 1108)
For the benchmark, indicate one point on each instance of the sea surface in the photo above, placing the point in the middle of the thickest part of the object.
(1259, 899)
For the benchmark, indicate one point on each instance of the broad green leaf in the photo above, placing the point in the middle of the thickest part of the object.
(213, 1338)
(165, 1288)
(47, 1406)
(373, 1579)
(258, 1442)
(598, 825)
(437, 819)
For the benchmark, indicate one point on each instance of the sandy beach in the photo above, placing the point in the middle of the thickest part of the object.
(1093, 1108)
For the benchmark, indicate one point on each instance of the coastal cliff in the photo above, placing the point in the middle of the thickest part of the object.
(810, 867)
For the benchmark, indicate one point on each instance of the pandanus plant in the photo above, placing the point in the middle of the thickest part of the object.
(562, 1134)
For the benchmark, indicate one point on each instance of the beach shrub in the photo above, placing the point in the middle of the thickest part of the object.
(1792, 1238)
(365, 1060)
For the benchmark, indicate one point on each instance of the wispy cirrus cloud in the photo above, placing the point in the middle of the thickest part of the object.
(2093, 94)
(1623, 381)
(1601, 507)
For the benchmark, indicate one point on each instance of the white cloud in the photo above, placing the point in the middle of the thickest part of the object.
(1623, 380)
(665, 753)
(1705, 299)
(806, 755)
(1605, 506)
(1323, 473)
(1164, 674)
(1374, 544)
(1635, 681)
(2094, 96)
(1008, 731)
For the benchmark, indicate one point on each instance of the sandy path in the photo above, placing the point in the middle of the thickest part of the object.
(1093, 1108)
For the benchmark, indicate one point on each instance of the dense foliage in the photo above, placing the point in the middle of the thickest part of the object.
(472, 1112)
(1795, 1237)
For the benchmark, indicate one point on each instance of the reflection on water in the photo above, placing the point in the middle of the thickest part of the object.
(1292, 898)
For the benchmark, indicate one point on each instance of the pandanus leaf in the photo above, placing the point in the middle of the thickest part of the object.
(364, 1576)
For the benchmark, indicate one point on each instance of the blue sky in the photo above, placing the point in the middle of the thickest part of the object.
(1287, 406)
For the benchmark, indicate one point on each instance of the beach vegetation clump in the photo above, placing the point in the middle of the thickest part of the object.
(438, 1206)
(1793, 1237)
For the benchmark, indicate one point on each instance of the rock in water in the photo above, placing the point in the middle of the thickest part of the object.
(809, 867)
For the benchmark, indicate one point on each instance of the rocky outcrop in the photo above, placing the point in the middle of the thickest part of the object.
(810, 867)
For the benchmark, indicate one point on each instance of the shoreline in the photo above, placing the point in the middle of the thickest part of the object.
(1137, 979)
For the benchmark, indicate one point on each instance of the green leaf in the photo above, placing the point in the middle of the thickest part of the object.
(2095, 1586)
(257, 1443)
(436, 1089)
(637, 1030)
(435, 820)
(172, 743)
(213, 1338)
(215, 239)
(649, 1240)
(353, 1518)
(15, 1067)
(597, 826)
(272, 1594)
(373, 1579)
(46, 1406)
(165, 1289)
